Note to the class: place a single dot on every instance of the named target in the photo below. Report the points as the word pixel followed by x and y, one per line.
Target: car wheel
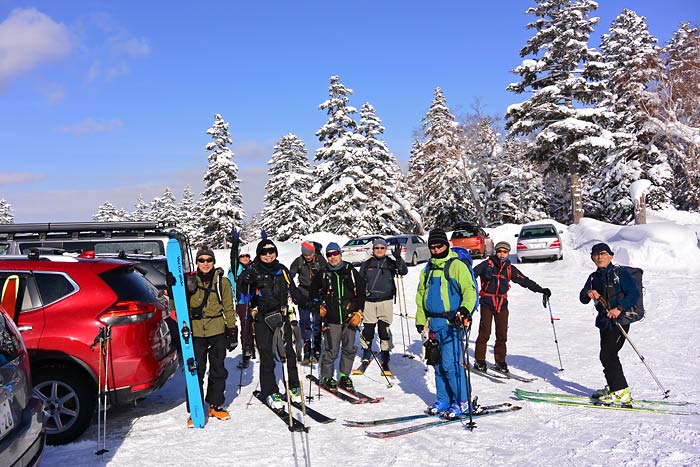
pixel 68 403
pixel 414 259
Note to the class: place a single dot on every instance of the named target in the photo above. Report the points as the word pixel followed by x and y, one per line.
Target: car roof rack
pixel 78 230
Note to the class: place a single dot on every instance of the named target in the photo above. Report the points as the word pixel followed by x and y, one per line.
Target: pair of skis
pixel 495 374
pixel 571 400
pixel 353 397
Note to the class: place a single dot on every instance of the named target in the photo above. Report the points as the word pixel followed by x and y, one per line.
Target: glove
pixel 263 235
pixel 191 283
pixel 355 319
pixel 231 338
pixel 322 310
pixel 235 236
pixel 546 293
pixel 396 251
pixel 419 328
pixel 462 317
pixel 170 279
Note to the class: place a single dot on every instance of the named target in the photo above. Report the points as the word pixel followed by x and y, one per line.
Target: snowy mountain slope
pixel 154 432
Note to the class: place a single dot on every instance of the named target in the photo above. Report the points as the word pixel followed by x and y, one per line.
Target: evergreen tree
pixel 6 216
pixel 221 202
pixel 141 210
pixel 288 212
pixel 447 198
pixel 561 76
pixel 107 212
pixel 338 200
pixel 188 214
pixel 415 195
pixel 164 208
pixel 633 67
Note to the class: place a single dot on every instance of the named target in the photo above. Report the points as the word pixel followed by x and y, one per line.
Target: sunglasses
pixel 331 254
pixel 502 250
pixel 379 248
pixel 436 247
pixel 268 251
pixel 244 256
pixel 205 260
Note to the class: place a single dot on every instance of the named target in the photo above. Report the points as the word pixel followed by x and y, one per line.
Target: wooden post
pixel 640 209
pixel 576 198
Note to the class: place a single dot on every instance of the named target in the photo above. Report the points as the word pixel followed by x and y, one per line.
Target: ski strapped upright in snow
pixel 575 397
pixel 440 422
pixel 295 424
pixel 408 418
pixel 599 405
pixel 194 394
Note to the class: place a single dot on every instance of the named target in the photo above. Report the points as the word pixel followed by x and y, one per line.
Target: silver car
pixel 358 250
pixel 539 241
pixel 413 248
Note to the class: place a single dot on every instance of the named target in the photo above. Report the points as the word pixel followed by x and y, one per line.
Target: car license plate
pixel 6 421
pixel 539 245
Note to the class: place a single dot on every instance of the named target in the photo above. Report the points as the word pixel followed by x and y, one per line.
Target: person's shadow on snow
pixel 545 371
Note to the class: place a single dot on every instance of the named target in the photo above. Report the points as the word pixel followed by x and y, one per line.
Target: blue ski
pixel 194 395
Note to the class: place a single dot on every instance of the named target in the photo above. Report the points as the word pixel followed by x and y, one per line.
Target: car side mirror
pixel 515 235
pixel 561 231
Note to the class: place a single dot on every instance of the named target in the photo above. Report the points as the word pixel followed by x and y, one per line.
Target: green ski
pixel 553 395
pixel 629 408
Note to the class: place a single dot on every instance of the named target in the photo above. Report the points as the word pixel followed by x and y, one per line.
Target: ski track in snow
pixel 154 433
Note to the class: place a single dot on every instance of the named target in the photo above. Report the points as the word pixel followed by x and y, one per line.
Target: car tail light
pixel 479 240
pixel 521 246
pixel 404 249
pixel 127 312
pixel 555 244
pixel 89 254
pixel 140 387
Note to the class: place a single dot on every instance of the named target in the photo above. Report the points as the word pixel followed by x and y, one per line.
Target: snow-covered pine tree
pixel 414 185
pixel 107 212
pixel 221 201
pixel 447 197
pixel 338 199
pixel 187 222
pixel 288 213
pixel 141 210
pixel 164 208
pixel 679 120
pixel 6 216
pixel 558 79
pixel 632 68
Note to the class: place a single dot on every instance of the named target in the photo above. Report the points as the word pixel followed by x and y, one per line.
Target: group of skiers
pixel 335 299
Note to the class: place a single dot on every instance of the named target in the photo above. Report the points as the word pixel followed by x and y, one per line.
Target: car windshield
pixel 397 240
pixel 464 233
pixel 540 232
pixel 358 242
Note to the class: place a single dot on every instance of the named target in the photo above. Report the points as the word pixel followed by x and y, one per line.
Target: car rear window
pixel 464 233
pixel 130 285
pixel 141 248
pixel 358 242
pixel 538 233
pixel 396 241
pixel 53 286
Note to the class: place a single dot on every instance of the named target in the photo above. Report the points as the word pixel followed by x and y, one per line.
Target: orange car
pixel 472 238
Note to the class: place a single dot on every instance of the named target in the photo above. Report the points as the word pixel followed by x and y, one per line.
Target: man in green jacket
pixel 446 305
pixel 214 329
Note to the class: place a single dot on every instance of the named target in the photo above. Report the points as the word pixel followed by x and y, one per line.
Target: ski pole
pixel 467 372
pixel 405 315
pixel 551 320
pixel 663 390
pixel 244 336
pixel 398 295
pixel 374 355
pixel 100 366
pixel 285 372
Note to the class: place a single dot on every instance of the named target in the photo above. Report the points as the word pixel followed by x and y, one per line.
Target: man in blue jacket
pixel 614 292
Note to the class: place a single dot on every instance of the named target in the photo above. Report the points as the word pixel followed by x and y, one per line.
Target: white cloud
pixel 132 46
pixel 92 126
pixel 28 38
pixel 7 178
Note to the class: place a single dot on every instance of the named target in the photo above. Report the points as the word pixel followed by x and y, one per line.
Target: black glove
pixel 546 293
pixel 170 279
pixel 231 338
pixel 419 328
pixel 235 236
pixel 460 317
pixel 247 277
pixel 396 251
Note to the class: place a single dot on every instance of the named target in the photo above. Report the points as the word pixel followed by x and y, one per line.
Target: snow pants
pixel 338 337
pixel 611 341
pixel 381 315
pixel 450 378
pixel 212 349
pixel 310 323
pixel 263 340
pixel 246 328
pixel 499 348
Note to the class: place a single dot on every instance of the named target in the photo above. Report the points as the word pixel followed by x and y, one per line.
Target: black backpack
pixel 635 313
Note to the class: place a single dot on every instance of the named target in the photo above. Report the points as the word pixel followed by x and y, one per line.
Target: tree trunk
pixel 576 198
pixel 640 210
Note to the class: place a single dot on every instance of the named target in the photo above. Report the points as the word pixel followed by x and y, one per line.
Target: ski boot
pixel 366 356
pixel 219 412
pixel 274 401
pixel 438 407
pixel 623 396
pixel 480 365
pixel 346 383
pixel 317 351
pixel 501 367
pixel 385 363
pixel 330 384
pixel 306 361
pixel 601 392
pixel 457 410
pixel 295 395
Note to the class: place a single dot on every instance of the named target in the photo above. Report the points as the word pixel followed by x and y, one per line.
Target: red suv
pixel 472 238
pixel 63 304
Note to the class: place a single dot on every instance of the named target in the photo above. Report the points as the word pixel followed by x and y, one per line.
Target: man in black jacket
pixel 496 273
pixel 306 266
pixel 378 274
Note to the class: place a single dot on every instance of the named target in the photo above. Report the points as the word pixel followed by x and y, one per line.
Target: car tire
pixel 73 412
pixel 414 259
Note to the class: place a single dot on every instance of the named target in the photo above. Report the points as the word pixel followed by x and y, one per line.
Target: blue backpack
pixel 464 256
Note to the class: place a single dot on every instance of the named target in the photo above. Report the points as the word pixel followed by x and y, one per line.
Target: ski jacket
pixel 617 287
pixel 436 296
pixel 496 275
pixel 270 286
pixel 244 294
pixel 341 291
pixel 216 302
pixel 306 270
pixel 378 275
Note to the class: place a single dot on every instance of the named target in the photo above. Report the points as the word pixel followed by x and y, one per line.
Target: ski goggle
pixel 268 251
pixel 333 253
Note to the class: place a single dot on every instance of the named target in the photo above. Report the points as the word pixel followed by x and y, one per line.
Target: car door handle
pixel 24 328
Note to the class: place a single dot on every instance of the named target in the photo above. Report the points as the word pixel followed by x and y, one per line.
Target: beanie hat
pixel 332 246
pixel 265 244
pixel 504 245
pixel 205 251
pixel 438 236
pixel 307 248
pixel 379 241
pixel 598 247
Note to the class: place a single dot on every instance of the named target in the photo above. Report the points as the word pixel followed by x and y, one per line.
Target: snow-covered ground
pixel 154 432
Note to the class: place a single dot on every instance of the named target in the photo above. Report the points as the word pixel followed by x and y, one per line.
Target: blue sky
pixel 105 100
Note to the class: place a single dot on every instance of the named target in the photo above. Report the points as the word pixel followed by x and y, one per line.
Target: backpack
pixel 636 313
pixel 463 256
